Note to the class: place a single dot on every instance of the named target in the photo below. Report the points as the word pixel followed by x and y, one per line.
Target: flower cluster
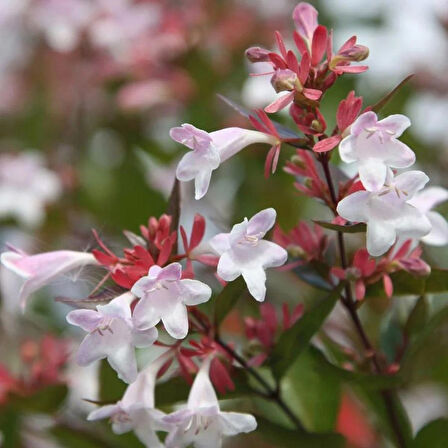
pixel 161 292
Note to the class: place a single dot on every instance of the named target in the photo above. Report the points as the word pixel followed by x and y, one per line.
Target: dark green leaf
pixel 383 101
pixel 111 387
pixel 313 393
pixel 314 273
pixel 417 317
pixel 391 336
pixel 364 380
pixel 282 437
pixel 173 391
pixel 227 298
pixel 406 284
pixel 296 339
pixel 46 400
pixel 350 228
pixel 433 435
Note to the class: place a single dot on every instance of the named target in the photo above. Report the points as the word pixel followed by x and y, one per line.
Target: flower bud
pixel 415 266
pixel 257 54
pixel 356 53
pixel 298 161
pixel 296 251
pixel 283 80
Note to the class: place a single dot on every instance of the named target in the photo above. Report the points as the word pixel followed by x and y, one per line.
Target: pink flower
pixel 39 270
pixel 136 411
pixel 112 335
pixel 387 212
pixel 202 423
pixel 244 252
pixel 164 297
pixel 374 145
pixel 209 150
pixel 425 201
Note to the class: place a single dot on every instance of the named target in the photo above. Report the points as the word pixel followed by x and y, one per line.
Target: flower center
pixel 104 325
pixel 120 417
pixel 380 132
pixel 251 239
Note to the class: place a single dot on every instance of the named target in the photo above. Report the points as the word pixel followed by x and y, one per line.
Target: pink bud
pixel 356 53
pixel 305 18
pixel 283 80
pixel 257 54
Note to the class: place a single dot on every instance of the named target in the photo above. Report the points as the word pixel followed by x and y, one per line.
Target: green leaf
pixel 406 284
pixel 417 317
pixel 314 273
pixel 364 380
pixel 111 387
pixel 383 101
pixel 434 435
pixel 227 298
pixel 282 437
pixel 349 228
pixel 46 400
pixel 173 391
pixel 293 341
pixel 314 394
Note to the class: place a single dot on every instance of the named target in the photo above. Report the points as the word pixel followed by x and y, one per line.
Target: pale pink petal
pixel 171 272
pixel 201 183
pixel 176 321
pixel 260 223
pixel 438 236
pixel 395 123
pixel 429 198
pixel 233 423
pixel 399 155
pixel 365 120
pixel 202 394
pixel 194 292
pixel 88 320
pixel 255 279
pixel 191 136
pixel 347 149
pixel 104 412
pixel 380 237
pixel 220 243
pixel 410 182
pixel 352 207
pixel 227 269
pixel 144 338
pixel 412 223
pixel 372 173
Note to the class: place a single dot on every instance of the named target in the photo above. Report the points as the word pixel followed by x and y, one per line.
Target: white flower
pixel 374 145
pixel 244 252
pixel 112 335
pixel 136 411
pixel 387 213
pixel 209 150
pixel 202 423
pixel 40 269
pixel 425 201
pixel 164 297
pixel 26 186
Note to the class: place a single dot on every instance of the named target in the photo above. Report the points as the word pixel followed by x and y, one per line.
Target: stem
pixel 350 305
pixel 273 394
pixel 270 393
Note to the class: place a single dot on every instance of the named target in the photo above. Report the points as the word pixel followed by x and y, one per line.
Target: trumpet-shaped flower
pixel 202 423
pixel 136 411
pixel 164 297
pixel 40 269
pixel 209 150
pixel 244 252
pixel 425 201
pixel 388 213
pixel 112 335
pixel 374 145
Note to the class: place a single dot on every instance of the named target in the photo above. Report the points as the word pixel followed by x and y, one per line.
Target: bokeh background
pixel 88 92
